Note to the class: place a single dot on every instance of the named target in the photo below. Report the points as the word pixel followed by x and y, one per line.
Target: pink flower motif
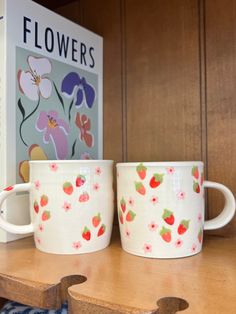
pixel 147 248
pixel 194 247
pixel 53 167
pixel 41 227
pixel 77 245
pixel 66 206
pixel 96 186
pixel 178 243
pixel 127 233
pixel 37 185
pixel 131 202
pixel 181 195
pixel 199 217
pixel 154 199
pixel 98 171
pixel 152 226
pixel 170 170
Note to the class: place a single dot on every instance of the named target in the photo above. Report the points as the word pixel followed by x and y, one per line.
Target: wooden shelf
pixel 118 282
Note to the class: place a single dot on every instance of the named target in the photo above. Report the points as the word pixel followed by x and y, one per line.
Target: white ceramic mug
pixel 71 205
pixel 161 208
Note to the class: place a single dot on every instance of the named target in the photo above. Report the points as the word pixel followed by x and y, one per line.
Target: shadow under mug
pixel 161 208
pixel 71 205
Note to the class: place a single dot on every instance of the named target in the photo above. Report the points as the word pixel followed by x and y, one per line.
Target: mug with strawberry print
pixel 161 208
pixel 71 205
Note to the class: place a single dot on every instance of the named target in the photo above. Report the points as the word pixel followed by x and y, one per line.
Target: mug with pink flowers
pixel 71 205
pixel 161 208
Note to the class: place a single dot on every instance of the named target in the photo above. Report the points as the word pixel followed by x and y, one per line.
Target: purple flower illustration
pixel 56 130
pixel 76 87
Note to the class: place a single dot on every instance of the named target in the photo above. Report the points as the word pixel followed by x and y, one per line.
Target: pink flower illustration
pixel 55 130
pixel 194 247
pixel 77 245
pixel 96 186
pixel 199 217
pixel 154 199
pixel 37 185
pixel 53 167
pixel 98 171
pixel 84 124
pixel 152 226
pixel 66 206
pixel 181 195
pixel 178 243
pixel 131 202
pixel 127 233
pixel 170 170
pixel 41 227
pixel 33 83
pixel 147 248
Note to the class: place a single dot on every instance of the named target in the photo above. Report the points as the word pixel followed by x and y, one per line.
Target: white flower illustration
pixel 33 83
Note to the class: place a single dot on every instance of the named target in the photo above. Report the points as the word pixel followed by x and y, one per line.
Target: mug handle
pixel 228 211
pixel 24 229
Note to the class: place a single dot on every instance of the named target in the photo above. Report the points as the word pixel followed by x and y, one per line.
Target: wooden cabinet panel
pixel 163 80
pixel 103 17
pixel 221 99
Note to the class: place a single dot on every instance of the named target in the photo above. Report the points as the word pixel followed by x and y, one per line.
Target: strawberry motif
pixel 183 226
pixel 123 204
pixel 86 234
pixel 196 187
pixel 130 216
pixel 101 230
pixel 96 220
pixel 168 217
pixel 121 218
pixel 195 172
pixel 141 171
pixel 156 180
pixel 140 188
pixel 68 188
pixel 84 197
pixel 165 234
pixel 46 215
pixel 9 188
pixel 36 207
pixel 80 180
pixel 43 200
pixel 200 235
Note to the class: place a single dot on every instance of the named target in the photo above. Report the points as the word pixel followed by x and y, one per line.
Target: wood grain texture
pixel 221 98
pixel 103 17
pixel 118 282
pixel 163 87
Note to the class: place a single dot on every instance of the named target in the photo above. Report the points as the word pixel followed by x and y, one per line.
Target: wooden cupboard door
pixel 163 80
pixel 221 100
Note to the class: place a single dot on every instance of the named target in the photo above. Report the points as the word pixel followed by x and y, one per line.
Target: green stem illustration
pixel 25 118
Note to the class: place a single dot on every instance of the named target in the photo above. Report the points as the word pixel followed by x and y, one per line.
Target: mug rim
pixel 160 163
pixel 70 161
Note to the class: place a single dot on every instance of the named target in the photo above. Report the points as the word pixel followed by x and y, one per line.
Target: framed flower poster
pixel 51 94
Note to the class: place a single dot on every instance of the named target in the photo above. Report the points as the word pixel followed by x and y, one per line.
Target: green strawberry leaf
pixel 122 202
pixel 140 167
pixel 158 177
pixel 167 213
pixel 138 185
pixel 164 230
pixel 185 223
